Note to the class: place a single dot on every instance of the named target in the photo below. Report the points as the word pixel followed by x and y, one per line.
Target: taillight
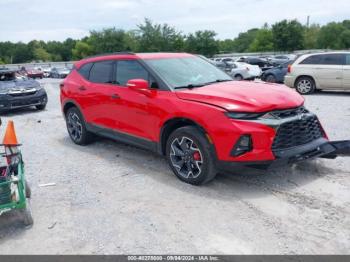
pixel 289 70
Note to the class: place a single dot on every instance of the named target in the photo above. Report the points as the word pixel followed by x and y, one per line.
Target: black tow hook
pixel 341 148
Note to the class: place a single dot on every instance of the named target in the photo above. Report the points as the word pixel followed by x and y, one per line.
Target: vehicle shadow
pixel 242 183
pixel 11 225
pixel 20 111
pixel 332 93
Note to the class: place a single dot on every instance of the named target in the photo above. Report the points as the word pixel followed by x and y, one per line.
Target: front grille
pixel 297 132
pixel 290 112
pixel 23 93
pixel 25 102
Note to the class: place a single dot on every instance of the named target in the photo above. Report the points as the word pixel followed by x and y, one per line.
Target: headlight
pixel 249 116
pixel 244 116
pixel 38 87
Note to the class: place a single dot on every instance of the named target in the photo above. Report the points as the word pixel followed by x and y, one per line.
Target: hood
pixel 17 84
pixel 244 96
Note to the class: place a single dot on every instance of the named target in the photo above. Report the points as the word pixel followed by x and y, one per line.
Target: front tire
pixel 190 156
pixel 305 85
pixel 41 107
pixel 77 128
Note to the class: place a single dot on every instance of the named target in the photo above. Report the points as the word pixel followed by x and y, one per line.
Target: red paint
pixel 142 113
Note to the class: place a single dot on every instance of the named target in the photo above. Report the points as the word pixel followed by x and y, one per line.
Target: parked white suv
pixel 329 70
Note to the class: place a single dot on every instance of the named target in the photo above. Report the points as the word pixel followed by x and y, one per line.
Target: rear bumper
pixel 289 80
pixel 317 148
pixel 8 102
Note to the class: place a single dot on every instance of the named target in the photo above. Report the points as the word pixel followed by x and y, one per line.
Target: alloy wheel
pixel 74 126
pixel 304 86
pixel 186 157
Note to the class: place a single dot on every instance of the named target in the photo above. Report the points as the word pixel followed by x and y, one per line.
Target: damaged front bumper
pixel 318 148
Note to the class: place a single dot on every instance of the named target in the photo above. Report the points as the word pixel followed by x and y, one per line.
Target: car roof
pixel 327 53
pixel 127 55
pixel 6 71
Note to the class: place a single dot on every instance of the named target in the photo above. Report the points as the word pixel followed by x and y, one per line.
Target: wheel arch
pixel 69 104
pixel 309 76
pixel 170 126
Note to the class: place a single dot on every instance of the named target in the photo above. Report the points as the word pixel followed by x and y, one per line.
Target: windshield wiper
pixel 190 86
pixel 218 81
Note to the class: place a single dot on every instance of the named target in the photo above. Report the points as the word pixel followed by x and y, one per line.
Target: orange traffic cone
pixel 10 138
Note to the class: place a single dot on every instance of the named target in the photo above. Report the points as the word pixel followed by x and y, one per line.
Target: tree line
pixel 285 35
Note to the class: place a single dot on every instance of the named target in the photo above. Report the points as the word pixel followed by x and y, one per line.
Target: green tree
pixel 226 46
pixel 41 54
pixel 244 40
pixel 288 35
pixel 107 41
pixel 310 36
pixel 329 36
pixel 158 37
pixel 202 42
pixel 81 50
pixel 263 41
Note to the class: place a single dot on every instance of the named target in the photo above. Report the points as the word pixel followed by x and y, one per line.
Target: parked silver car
pixel 245 71
pixel 329 70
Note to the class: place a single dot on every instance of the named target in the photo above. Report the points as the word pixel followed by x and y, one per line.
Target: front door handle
pixel 82 88
pixel 115 96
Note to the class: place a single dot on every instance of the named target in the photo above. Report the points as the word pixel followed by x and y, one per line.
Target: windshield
pixel 7 76
pixel 184 72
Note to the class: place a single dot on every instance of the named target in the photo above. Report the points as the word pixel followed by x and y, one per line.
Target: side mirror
pixel 139 85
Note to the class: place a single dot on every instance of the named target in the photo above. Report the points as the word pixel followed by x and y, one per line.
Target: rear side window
pixel 101 72
pixel 85 70
pixel 327 59
pixel 130 69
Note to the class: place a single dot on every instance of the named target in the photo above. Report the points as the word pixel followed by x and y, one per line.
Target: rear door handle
pixel 115 96
pixel 82 88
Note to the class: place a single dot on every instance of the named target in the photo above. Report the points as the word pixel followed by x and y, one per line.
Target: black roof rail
pixel 107 54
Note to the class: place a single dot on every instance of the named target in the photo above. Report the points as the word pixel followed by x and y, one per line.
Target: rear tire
pixel 77 128
pixel 238 77
pixel 28 189
pixel 190 156
pixel 270 78
pixel 27 214
pixel 305 85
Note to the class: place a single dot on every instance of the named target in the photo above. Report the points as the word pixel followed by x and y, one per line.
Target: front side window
pixel 187 71
pixel 312 60
pixel 101 72
pixel 130 69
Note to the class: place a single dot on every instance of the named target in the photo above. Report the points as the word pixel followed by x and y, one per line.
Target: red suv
pixel 185 108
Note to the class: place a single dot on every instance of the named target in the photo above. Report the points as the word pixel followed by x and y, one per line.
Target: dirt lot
pixel 111 198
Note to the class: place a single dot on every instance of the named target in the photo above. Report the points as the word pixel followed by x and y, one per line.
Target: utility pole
pixel 308 21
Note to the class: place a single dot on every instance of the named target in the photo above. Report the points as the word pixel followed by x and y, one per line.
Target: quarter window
pixel 85 70
pixel 347 59
pixel 101 72
pixel 130 69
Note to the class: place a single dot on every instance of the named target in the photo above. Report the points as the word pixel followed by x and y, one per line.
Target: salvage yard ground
pixel 110 198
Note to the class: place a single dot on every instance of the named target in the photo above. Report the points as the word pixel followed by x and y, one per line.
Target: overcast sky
pixel 56 20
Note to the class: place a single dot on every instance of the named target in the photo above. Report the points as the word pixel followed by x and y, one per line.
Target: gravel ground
pixel 111 198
